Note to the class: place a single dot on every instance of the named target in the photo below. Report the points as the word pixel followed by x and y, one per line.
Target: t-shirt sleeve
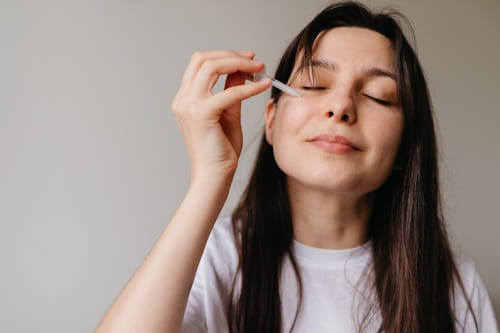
pixel 480 301
pixel 207 305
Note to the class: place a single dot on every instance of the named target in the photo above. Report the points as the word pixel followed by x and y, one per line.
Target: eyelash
pixel 313 88
pixel 377 100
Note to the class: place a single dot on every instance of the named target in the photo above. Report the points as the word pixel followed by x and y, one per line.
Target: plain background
pixel 93 165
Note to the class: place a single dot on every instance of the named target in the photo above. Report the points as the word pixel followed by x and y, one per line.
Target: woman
pixel 340 227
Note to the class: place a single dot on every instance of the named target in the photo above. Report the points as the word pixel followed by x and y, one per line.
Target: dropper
pixel 256 77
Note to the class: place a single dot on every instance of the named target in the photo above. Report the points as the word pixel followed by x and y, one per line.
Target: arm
pixel 155 298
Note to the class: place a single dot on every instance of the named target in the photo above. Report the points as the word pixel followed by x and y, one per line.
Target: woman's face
pixel 343 133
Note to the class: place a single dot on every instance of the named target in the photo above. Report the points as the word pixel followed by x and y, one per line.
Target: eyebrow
pixel 372 71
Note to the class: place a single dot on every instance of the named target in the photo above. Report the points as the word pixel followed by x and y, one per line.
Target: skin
pixel 331 192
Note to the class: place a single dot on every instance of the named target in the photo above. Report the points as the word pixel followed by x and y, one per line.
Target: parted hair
pixel 414 271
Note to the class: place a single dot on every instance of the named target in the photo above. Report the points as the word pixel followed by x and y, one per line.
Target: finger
pixel 211 69
pixel 231 118
pixel 246 53
pixel 224 100
pixel 199 57
pixel 234 79
pixel 232 114
pixel 231 125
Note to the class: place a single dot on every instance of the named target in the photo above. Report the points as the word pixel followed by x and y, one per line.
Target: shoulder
pixel 222 236
pixel 474 290
pixel 220 257
pixel 222 231
pixel 468 273
pixel 470 277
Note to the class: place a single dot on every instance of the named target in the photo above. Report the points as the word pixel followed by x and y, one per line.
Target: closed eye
pixel 378 100
pixel 313 88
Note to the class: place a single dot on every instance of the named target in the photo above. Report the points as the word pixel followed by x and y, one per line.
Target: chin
pixel 326 184
pixel 327 181
pixel 333 176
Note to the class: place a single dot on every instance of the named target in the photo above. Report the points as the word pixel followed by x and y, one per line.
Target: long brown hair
pixel 413 265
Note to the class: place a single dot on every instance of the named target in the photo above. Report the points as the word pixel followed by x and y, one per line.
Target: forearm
pixel 154 299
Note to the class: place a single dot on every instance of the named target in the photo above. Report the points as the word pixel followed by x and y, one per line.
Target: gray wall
pixel 93 165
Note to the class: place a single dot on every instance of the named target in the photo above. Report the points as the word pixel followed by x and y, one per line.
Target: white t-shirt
pixel 333 295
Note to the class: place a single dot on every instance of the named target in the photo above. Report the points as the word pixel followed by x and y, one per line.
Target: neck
pixel 327 219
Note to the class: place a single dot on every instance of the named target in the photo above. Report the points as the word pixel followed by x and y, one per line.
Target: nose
pixel 340 107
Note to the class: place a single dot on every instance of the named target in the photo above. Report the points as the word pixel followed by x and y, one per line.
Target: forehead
pixel 353 46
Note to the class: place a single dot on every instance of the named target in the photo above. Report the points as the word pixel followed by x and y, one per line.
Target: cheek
pixel 288 133
pixel 284 140
pixel 291 116
pixel 385 132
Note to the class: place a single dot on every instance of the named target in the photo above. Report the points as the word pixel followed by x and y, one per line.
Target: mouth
pixel 334 144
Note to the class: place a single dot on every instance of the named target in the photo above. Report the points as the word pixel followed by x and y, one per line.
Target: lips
pixel 334 143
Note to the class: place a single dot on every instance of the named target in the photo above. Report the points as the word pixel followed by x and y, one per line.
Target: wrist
pixel 213 175
pixel 208 194
pixel 211 183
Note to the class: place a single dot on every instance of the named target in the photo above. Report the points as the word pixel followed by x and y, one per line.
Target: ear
pixel 269 115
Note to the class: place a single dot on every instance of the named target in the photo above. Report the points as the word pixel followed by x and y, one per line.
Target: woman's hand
pixel 211 123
